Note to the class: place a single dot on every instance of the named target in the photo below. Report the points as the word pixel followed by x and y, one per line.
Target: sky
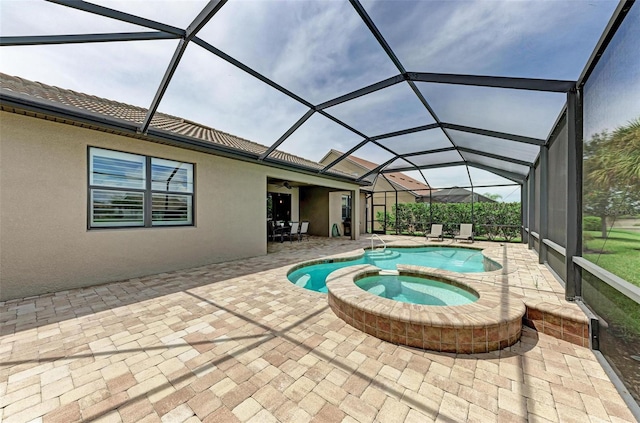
pixel 320 50
pixel 612 93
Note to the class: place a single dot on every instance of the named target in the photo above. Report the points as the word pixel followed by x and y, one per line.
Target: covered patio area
pixel 237 341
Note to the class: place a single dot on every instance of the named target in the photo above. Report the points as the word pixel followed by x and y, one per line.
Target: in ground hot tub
pixel 492 322
pixel 417 290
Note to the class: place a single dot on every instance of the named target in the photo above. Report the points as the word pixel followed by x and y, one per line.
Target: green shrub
pixel 491 220
pixel 591 223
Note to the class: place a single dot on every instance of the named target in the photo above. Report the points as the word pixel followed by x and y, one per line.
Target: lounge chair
pixel 466 232
pixel 436 232
pixel 302 232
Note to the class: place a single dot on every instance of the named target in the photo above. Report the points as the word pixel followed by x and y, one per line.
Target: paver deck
pixel 237 342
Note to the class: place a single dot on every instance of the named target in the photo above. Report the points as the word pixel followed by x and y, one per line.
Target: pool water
pixel 415 290
pixel 461 260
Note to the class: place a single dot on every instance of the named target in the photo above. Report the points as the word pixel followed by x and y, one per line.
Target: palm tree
pixel 625 143
pixel 612 172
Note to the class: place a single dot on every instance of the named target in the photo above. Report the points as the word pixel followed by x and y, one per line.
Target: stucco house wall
pixel 314 207
pixel 45 245
pixel 335 211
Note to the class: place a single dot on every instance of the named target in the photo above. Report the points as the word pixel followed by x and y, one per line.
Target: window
pixel 346 207
pixel 129 190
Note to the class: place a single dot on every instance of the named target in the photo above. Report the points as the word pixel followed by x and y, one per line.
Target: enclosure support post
pixel 532 204
pixel 543 208
pixel 396 214
pixel 355 214
pixel 372 213
pixel 524 211
pixel 430 209
pixel 386 215
pixel 573 248
pixel 472 216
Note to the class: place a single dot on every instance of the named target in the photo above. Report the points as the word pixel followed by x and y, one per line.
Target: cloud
pixel 612 92
pixel 443 177
pixel 27 17
pixel 320 50
pixel 388 110
pixel 418 141
pixel 513 38
pixel 210 91
pixel 529 113
pixel 317 136
pixel 176 13
pixel 317 49
pixel 129 72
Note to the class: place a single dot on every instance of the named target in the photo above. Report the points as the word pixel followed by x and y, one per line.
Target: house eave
pixel 45 109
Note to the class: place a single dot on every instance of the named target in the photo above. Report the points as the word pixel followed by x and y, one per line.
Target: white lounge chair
pixel 466 232
pixel 436 232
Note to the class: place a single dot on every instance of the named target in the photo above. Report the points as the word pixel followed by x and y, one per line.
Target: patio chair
pixel 271 231
pixel 466 232
pixel 291 231
pixel 302 232
pixel 436 232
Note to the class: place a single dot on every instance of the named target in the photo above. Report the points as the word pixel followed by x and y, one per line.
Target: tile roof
pixel 408 182
pixel 136 115
pixel 399 178
pixel 459 195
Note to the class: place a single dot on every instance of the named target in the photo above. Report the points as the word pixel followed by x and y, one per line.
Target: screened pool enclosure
pixel 534 103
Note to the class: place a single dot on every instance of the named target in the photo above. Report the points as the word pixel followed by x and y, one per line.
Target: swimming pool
pixel 416 290
pixel 462 260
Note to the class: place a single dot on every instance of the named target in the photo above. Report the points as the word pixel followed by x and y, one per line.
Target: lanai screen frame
pixel 572 252
pixel 572 113
pixel 190 34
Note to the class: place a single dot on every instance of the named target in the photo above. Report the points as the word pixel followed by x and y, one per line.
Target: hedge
pixel 490 219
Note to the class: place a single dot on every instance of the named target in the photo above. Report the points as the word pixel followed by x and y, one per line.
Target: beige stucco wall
pixel 362 211
pixel 314 207
pixel 44 242
pixel 335 211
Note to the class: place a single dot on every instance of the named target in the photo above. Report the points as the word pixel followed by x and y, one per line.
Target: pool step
pixel 389 272
pixel 383 255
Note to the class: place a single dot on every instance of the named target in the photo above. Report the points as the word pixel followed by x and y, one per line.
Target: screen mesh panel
pixel 611 205
pixel 384 111
pixel 619 329
pixel 496 163
pixel 502 147
pixel 431 139
pixel 316 137
pixel 557 188
pixel 432 158
pixel 557 262
pixel 536 218
pixel 308 47
pixel 223 102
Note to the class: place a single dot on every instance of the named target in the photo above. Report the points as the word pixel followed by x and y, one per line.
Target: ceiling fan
pixel 282 184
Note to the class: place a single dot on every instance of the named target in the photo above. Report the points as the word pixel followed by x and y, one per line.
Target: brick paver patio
pixel 237 342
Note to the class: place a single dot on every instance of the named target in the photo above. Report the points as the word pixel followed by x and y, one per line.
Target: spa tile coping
pixel 493 307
